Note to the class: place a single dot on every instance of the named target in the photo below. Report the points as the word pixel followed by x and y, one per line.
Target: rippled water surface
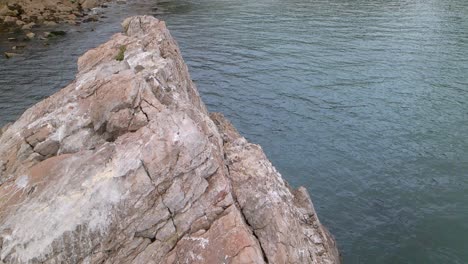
pixel 364 102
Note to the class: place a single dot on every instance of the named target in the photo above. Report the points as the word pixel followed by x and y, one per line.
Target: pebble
pixel 30 35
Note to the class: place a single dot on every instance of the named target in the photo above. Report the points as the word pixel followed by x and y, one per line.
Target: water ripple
pixel 363 102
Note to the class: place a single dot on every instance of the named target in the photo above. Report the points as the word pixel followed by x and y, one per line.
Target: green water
pixel 364 102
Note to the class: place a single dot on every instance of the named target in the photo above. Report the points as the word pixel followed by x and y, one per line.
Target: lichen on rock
pixel 126 165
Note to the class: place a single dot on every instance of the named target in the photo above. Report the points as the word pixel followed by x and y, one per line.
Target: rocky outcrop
pixel 126 165
pixel 27 13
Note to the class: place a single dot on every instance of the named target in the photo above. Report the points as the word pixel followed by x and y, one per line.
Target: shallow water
pixel 364 102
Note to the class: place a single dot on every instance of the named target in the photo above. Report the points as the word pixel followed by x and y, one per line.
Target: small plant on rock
pixel 120 56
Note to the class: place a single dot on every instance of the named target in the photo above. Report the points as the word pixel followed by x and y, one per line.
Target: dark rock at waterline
pixel 53 34
pixel 57 33
pixel 91 18
pixel 9 55
pixel 18 47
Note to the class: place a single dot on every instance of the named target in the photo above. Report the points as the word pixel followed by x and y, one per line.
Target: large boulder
pixel 126 165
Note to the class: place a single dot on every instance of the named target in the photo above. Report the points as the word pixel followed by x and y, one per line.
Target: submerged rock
pixel 30 35
pixel 126 165
pixel 9 55
pixel 56 33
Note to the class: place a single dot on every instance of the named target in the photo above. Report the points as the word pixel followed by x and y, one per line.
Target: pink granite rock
pixel 126 165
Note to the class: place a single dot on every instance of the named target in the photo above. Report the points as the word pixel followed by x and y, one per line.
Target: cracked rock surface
pixel 126 165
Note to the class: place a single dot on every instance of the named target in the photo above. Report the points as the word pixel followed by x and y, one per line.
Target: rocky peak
pixel 126 165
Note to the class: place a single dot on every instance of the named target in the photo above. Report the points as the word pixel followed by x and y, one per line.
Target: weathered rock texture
pixel 125 165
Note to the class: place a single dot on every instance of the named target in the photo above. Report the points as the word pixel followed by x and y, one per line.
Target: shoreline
pixel 22 22
pixel 22 13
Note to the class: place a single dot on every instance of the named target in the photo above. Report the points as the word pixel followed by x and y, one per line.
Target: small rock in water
pixel 58 33
pixel 30 35
pixel 91 18
pixel 52 34
pixel 10 54
pixel 17 47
